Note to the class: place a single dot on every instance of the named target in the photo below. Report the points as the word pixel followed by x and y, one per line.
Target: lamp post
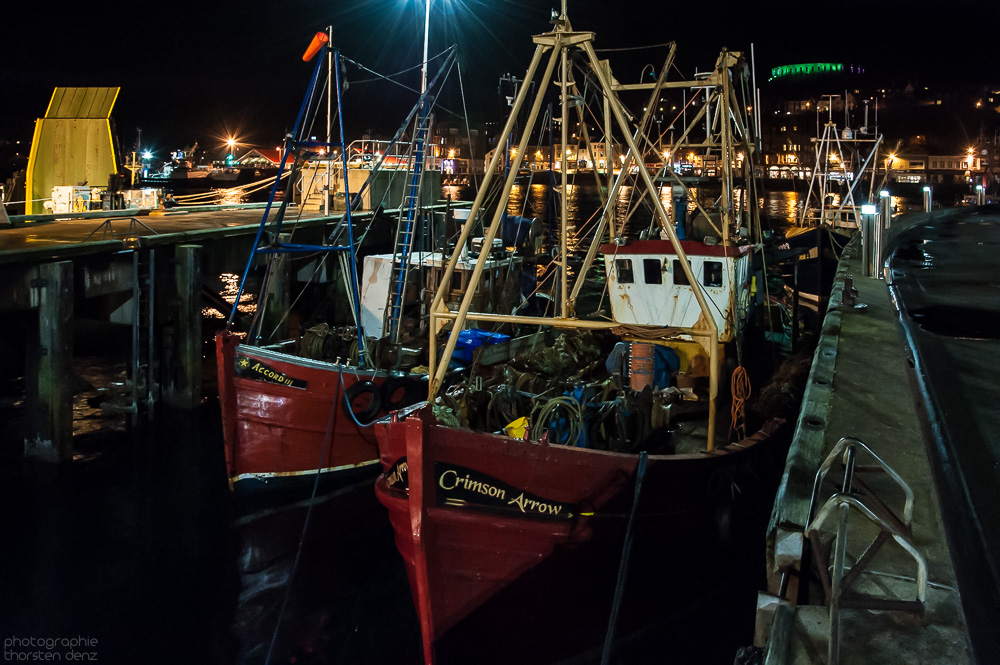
pixel 423 68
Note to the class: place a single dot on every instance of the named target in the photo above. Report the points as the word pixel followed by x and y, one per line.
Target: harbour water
pixel 946 277
pixel 139 548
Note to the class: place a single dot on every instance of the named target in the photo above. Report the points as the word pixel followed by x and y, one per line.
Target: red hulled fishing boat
pixel 542 491
pixel 301 407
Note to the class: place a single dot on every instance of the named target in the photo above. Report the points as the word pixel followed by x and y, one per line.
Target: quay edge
pixel 862 384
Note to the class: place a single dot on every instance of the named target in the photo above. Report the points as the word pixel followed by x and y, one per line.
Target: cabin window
pixel 652 271
pixel 680 278
pixel 624 269
pixel 713 273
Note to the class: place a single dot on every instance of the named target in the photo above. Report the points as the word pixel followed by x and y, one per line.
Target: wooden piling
pixel 279 296
pixel 49 435
pixel 183 385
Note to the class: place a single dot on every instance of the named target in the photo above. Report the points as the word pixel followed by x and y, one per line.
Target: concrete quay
pixel 866 384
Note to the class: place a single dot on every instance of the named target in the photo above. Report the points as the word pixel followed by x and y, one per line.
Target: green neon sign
pixel 808 69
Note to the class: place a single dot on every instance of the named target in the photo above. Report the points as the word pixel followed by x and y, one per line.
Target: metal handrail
pixel 847 445
pixel 841 499
pixel 842 502
pixel 107 228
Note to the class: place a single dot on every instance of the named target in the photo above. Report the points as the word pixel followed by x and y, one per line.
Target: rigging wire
pixel 382 77
pixel 468 132
pixel 633 48
pixel 389 77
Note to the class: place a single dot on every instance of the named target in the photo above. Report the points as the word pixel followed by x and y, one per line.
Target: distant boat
pixel 844 165
pixel 185 173
pixel 228 174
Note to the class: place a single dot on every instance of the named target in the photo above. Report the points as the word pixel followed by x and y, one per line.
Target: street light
pixel 423 69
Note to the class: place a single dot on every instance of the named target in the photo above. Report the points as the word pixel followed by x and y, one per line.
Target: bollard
pixel 980 195
pixel 927 199
pixel 878 228
pixel 885 208
pixel 868 248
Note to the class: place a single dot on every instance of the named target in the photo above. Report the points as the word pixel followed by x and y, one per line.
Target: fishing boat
pixel 521 497
pixel 844 163
pixel 300 407
pixel 842 183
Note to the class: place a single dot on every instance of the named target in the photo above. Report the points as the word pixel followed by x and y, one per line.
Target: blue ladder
pixel 405 230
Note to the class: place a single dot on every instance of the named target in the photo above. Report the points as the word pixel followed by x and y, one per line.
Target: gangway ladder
pixel 406 227
pixel 141 367
pixel 856 495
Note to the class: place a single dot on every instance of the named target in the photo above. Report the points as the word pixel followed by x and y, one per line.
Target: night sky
pixel 203 70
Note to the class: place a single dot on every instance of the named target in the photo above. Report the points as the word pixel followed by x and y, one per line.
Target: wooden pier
pixel 144 269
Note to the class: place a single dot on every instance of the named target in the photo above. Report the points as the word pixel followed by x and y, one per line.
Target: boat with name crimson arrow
pixel 548 497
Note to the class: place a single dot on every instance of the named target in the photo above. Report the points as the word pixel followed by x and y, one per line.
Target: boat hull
pixel 530 535
pixel 285 419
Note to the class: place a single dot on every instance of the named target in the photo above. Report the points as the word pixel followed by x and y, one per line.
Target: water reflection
pixel 532 200
pixel 785 206
pixel 101 395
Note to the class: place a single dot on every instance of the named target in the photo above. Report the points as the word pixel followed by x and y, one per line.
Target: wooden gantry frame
pixel 558 44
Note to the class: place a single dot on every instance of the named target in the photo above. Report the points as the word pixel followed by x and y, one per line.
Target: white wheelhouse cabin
pixel 647 286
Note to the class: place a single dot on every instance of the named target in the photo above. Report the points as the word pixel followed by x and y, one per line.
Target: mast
pixel 329 120
pixel 427 24
pixel 727 148
pixel 563 213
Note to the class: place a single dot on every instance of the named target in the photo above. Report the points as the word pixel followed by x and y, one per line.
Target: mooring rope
pixel 640 473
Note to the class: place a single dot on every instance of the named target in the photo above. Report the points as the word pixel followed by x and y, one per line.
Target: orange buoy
pixel 315 45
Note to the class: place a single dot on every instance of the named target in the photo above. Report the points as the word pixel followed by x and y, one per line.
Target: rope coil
pixel 740 386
